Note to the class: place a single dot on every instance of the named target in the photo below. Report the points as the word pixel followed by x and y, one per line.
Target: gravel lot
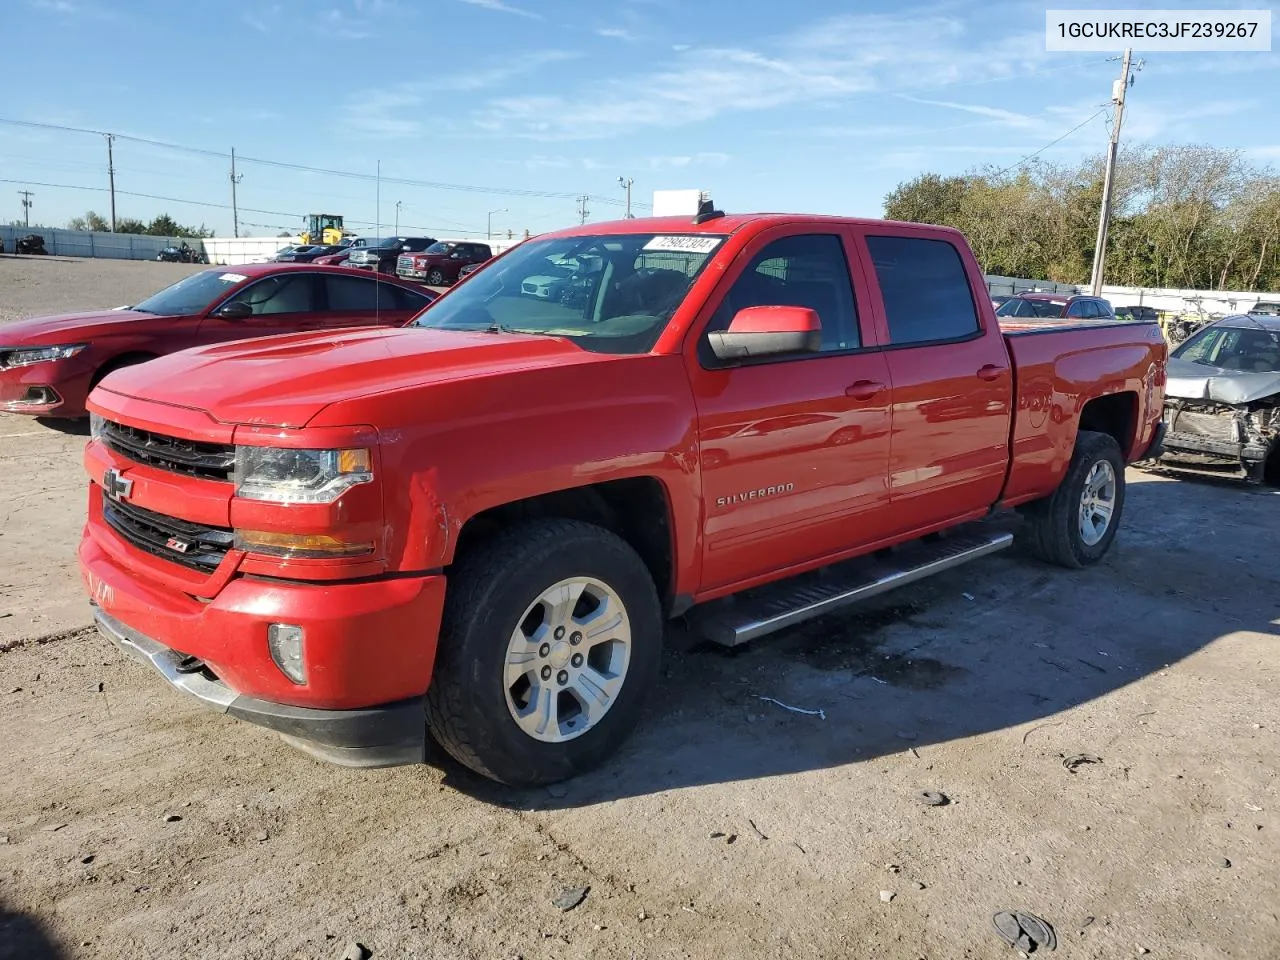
pixel 133 823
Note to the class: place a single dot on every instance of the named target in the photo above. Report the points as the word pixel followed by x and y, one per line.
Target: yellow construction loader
pixel 323 228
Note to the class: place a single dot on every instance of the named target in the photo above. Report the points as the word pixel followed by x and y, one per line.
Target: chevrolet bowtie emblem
pixel 116 486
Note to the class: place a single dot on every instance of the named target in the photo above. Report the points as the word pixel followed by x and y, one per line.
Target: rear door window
pixel 926 293
pixel 284 293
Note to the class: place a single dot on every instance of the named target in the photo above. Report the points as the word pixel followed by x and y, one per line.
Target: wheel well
pixel 1271 466
pixel 636 509
pixel 1115 415
pixel 115 363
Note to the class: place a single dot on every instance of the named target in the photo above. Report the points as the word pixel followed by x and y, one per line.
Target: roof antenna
pixel 707 211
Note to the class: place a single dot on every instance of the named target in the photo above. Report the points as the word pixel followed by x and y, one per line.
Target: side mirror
pixel 768 331
pixel 235 310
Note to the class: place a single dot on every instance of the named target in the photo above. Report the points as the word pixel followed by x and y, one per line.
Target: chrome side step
pixel 764 610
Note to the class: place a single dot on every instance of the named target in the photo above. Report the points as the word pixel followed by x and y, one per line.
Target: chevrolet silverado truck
pixel 473 528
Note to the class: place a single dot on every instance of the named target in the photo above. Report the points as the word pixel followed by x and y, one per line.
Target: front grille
pixel 212 461
pixel 190 544
pixel 404 263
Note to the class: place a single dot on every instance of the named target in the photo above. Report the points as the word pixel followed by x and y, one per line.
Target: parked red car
pixel 48 365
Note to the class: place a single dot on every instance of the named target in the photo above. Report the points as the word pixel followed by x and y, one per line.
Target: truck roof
pixel 731 223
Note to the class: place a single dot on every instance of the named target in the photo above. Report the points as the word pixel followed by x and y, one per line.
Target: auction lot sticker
pixel 684 244
pixel 1186 31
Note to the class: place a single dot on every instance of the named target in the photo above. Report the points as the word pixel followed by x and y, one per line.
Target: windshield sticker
pixel 233 277
pixel 684 244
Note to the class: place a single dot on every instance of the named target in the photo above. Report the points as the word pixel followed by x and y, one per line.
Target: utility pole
pixel 626 185
pixel 398 203
pixel 583 212
pixel 235 210
pixel 1118 90
pixel 111 179
pixel 26 206
pixel 489 227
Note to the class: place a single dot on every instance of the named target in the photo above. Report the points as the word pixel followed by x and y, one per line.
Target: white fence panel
pixel 86 243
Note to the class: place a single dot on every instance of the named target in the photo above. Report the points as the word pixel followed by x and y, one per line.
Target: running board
pixel 764 610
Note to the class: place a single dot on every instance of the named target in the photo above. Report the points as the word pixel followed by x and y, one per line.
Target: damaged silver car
pixel 1222 398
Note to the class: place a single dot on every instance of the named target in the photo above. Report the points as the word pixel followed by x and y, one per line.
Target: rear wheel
pixel 1074 527
pixel 551 639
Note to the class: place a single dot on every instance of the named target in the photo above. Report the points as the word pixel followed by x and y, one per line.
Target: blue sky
pixel 811 105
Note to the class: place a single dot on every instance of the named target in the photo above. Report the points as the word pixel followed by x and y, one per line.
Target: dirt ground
pixel 134 823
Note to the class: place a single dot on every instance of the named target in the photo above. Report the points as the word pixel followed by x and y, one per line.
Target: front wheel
pixel 1074 527
pixel 435 278
pixel 552 637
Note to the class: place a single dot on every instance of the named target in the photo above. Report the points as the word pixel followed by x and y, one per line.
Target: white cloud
pixel 1007 117
pixel 338 26
pixel 617 33
pixel 56 6
pixel 837 60
pixel 478 78
pixel 501 7
pixel 393 113
pixel 680 162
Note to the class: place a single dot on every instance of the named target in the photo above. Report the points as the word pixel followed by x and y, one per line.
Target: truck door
pixel 951 374
pixel 793 452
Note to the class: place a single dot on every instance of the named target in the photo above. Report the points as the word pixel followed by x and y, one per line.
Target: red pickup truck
pixel 477 524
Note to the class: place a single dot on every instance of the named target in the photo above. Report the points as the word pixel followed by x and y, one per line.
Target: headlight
pixel 96 422
pixel 25 356
pixel 299 476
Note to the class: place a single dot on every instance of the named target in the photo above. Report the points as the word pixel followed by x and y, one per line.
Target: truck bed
pixel 1019 326
pixel 1056 371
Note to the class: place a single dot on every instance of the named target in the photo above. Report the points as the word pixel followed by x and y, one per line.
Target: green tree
pixel 1182 216
pixel 90 221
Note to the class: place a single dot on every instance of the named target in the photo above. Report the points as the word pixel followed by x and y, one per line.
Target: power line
pixel 218 206
pixel 304 168
pixel 1050 144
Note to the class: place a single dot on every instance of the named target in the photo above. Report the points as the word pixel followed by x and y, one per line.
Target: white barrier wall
pixel 87 243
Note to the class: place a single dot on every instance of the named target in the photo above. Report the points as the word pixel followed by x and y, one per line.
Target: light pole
pixel 489 226
pixel 626 185
pixel 398 202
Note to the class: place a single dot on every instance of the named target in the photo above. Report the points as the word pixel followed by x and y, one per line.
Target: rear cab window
pixel 925 289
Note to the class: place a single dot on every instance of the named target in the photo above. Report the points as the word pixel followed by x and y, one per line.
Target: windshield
pixel 191 294
pixel 612 293
pixel 1251 350
pixel 1020 307
pixel 440 248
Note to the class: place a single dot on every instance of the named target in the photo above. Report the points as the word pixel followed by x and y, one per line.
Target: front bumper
pixel 369 648
pixel 373 737
pixel 56 388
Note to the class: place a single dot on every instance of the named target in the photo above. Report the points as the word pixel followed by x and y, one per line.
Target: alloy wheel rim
pixel 567 659
pixel 1097 503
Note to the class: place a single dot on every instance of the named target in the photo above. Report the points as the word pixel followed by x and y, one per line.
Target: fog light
pixel 284 640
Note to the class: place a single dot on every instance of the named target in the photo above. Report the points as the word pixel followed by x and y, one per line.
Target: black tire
pixel 1053 524
pixel 113 365
pixel 435 278
pixel 489 592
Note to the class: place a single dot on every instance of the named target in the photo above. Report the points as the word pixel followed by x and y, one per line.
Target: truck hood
pixel 1196 381
pixel 67 327
pixel 284 381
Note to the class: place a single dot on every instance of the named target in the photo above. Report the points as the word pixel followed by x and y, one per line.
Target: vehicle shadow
pixel 74 428
pixel 1001 643
pixel 24 938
